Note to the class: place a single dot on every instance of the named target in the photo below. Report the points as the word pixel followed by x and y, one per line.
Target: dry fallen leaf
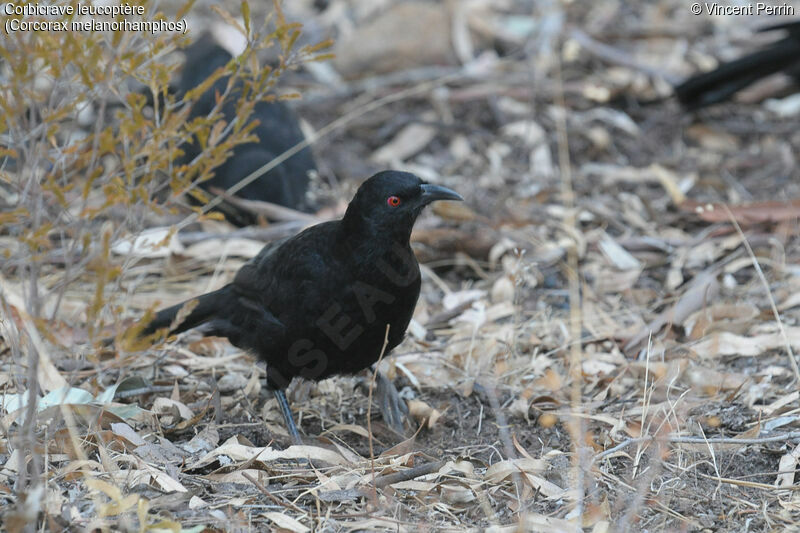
pixel 787 467
pixel 703 290
pixel 286 522
pixel 424 414
pixel 406 143
pixel 723 344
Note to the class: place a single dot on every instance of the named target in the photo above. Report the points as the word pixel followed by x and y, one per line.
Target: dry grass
pixel 606 336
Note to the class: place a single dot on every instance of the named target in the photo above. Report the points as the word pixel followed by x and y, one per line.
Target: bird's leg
pixel 392 406
pixel 283 404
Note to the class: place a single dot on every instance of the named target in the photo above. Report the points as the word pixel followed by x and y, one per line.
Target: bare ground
pixel 672 335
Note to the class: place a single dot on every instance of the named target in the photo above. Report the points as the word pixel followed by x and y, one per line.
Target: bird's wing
pixel 251 277
pixel 286 275
pixel 792 27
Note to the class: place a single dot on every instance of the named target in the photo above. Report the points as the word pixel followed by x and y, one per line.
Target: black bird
pixel 319 303
pixel 277 130
pixel 723 82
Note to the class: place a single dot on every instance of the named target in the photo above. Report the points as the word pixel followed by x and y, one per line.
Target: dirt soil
pixel 607 325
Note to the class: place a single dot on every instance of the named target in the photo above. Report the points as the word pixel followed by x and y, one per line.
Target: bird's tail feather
pixel 722 82
pixel 207 307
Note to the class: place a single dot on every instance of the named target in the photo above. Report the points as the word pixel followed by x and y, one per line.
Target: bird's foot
pixel 392 406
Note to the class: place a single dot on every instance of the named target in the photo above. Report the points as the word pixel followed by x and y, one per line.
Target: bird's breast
pixel 384 291
pixel 340 326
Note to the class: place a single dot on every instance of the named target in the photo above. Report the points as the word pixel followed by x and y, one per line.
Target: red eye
pixel 393 201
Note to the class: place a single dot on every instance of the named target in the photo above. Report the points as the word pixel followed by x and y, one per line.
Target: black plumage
pixel 318 304
pixel 728 78
pixel 278 130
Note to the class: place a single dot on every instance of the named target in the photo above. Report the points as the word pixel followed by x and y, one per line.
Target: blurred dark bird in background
pixel 319 303
pixel 278 130
pixel 727 79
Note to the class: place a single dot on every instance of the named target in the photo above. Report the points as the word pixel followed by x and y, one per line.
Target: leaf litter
pixel 684 380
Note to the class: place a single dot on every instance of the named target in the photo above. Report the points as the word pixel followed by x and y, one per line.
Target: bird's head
pixel 389 202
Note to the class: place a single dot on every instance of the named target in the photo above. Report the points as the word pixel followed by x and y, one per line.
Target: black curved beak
pixel 431 193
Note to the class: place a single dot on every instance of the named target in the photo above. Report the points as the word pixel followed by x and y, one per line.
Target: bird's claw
pixel 392 406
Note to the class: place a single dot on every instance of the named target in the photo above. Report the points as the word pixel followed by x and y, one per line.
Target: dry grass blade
pixel 763 279
pixel 607 328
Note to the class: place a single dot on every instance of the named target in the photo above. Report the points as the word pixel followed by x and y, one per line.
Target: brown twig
pixel 267 234
pixel 411 473
pixel 146 390
pixel 612 55
pixel 577 426
pixel 271 496
pixel 268 209
pixel 794 435
pixel 322 132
